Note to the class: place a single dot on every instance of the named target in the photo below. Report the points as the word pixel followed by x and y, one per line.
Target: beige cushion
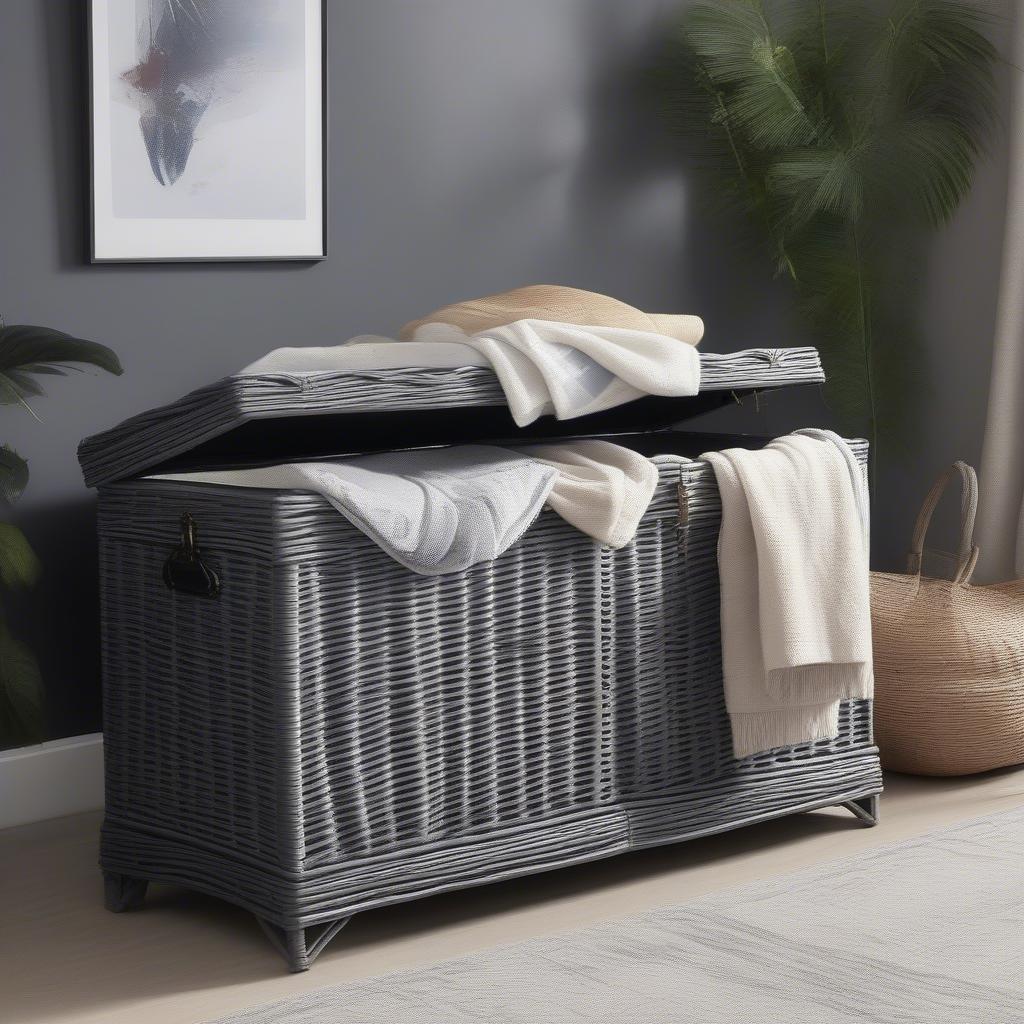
pixel 561 304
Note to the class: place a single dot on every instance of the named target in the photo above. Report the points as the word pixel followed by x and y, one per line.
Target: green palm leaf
pixel 13 475
pixel 816 182
pixel 19 566
pixel 27 351
pixel 843 129
pixel 22 718
pixel 754 75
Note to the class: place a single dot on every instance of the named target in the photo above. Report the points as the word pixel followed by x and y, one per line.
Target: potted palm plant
pixel 28 353
pixel 844 132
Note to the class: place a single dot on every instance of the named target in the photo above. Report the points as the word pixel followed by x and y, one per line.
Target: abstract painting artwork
pixel 207 126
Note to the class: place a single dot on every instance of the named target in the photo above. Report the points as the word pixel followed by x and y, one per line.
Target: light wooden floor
pixel 186 958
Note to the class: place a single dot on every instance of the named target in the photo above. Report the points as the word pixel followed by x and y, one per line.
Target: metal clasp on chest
pixel 185 571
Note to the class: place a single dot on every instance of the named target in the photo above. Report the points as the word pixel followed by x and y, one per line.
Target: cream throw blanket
pixel 556 302
pixel 601 488
pixel 793 567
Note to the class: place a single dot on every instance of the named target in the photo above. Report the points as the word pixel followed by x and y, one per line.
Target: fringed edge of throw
pixel 820 683
pixel 756 731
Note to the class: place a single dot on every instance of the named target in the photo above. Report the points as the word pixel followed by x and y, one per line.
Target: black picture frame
pixel 262 258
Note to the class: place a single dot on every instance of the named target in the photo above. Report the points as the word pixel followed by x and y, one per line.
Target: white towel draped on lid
pixel 544 367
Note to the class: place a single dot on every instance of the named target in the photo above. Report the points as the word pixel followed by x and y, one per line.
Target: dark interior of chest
pixel 651 426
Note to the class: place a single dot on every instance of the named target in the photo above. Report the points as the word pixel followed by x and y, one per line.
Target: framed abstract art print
pixel 208 129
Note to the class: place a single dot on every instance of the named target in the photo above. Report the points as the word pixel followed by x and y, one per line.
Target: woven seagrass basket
pixel 949 658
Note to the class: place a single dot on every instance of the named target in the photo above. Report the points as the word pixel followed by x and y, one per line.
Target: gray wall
pixel 959 310
pixel 475 145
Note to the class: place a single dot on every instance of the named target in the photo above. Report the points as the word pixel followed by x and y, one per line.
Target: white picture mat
pixel 204 237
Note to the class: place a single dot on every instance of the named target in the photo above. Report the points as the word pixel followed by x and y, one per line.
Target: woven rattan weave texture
pixel 160 434
pixel 949 657
pixel 334 733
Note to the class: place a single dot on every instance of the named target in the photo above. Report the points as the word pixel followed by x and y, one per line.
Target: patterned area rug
pixel 928 931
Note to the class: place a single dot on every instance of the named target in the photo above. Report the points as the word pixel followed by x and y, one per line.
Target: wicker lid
pixel 261 419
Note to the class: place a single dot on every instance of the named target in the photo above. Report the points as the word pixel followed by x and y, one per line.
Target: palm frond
pixel 754 74
pixel 816 182
pixel 13 475
pixel 22 717
pixel 27 351
pixel 19 566
pixel 932 57
pixel 843 128
pixel 942 42
pixel 922 168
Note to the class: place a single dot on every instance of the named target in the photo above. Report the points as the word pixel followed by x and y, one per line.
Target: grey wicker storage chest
pixel 331 733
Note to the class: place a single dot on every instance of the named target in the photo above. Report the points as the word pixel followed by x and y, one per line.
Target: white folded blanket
pixel 442 510
pixel 793 567
pixel 544 367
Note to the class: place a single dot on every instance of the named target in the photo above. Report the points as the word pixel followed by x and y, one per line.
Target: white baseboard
pixel 51 780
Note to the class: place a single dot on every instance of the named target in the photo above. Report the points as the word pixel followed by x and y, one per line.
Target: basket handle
pixel 967 556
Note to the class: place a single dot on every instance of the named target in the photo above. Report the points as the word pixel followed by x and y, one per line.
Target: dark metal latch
pixel 185 571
